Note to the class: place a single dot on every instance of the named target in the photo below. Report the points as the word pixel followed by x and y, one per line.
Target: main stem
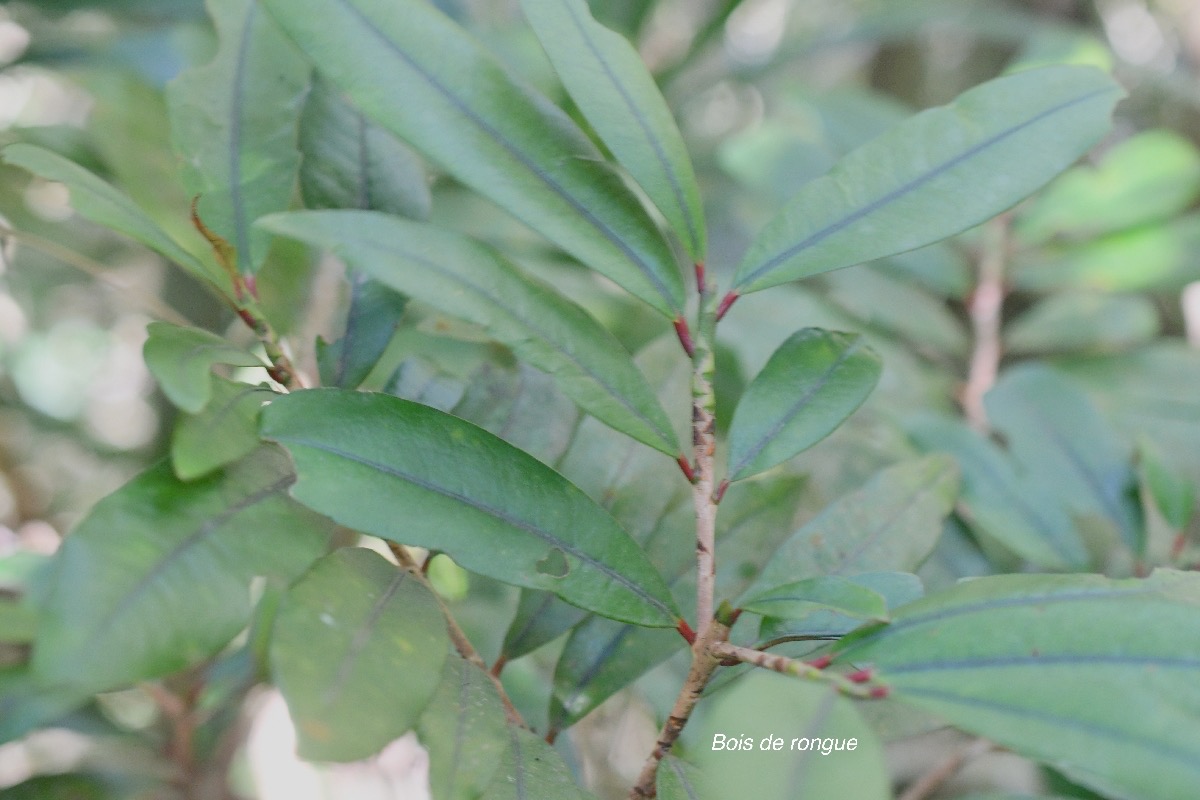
pixel 985 309
pixel 704 442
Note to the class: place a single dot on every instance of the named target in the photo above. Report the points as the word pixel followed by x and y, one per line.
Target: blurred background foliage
pixel 1099 302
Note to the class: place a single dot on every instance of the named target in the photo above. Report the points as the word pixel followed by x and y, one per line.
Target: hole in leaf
pixel 554 564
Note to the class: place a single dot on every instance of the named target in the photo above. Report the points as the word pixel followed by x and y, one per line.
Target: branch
pixel 704 663
pixel 855 684
pixel 984 309
pixel 704 407
pixel 461 643
pixel 932 780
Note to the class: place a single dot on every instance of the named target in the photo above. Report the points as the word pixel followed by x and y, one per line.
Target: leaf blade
pixel 443 483
pixel 610 84
pixel 922 181
pixel 181 358
pixel 488 130
pixel 467 281
pixel 832 373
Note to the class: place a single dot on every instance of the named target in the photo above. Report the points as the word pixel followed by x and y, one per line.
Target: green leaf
pixel 225 430
pixel 826 592
pixel 105 205
pixel 26 703
pixel 1147 177
pixel 157 577
pixel 1090 675
pixel 350 162
pixel 602 657
pixel 811 384
pixel 375 311
pixel 465 280
pixel 1083 321
pixel 418 476
pixel 610 84
pixel 1055 432
pixel 18 622
pixel 895 308
pixel 1020 512
pixel 234 123
pixel 936 174
pixel 679 780
pixel 463 729
pixel 893 588
pixel 812 718
pixel 459 107
pixel 357 650
pixel 891 523
pixel 1174 494
pixel 541 618
pixel 530 770
pixel 181 360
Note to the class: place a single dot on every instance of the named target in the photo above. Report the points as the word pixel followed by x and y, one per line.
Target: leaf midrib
pixel 899 192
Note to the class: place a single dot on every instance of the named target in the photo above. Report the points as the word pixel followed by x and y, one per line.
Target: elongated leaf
pixel 455 104
pixel 1096 677
pixel 234 121
pixel 531 770
pixel 891 523
pixel 223 432
pixel 1055 432
pixel 157 577
pixel 375 311
pixel 895 589
pixel 464 731
pixel 679 780
pixel 541 618
pixel 418 476
pixel 825 749
pixel 465 280
pixel 1083 321
pixel 26 704
pixel 936 174
pixel 350 162
pixel 349 633
pixel 105 205
pixel 814 381
pixel 181 360
pixel 1019 512
pixel 1147 177
pixel 826 592
pixel 610 84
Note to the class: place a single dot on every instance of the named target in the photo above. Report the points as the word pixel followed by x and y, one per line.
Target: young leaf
pixel 936 174
pixel 348 633
pixel 350 162
pixel 811 720
pixel 468 281
pixel 530 769
pixel 812 383
pixel 105 205
pixel 1070 672
pixel 458 106
pixel 418 476
pixel 234 123
pixel 157 577
pixel 463 728
pixel 610 84
pixel 891 523
pixel 375 311
pixel 825 592
pixel 181 360
pixel 225 430
pixel 1021 513
pixel 1055 432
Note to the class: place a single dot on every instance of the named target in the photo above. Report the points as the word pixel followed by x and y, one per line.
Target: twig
pixel 857 684
pixel 704 663
pixel 932 780
pixel 461 643
pixel 96 270
pixel 984 309
pixel 703 446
